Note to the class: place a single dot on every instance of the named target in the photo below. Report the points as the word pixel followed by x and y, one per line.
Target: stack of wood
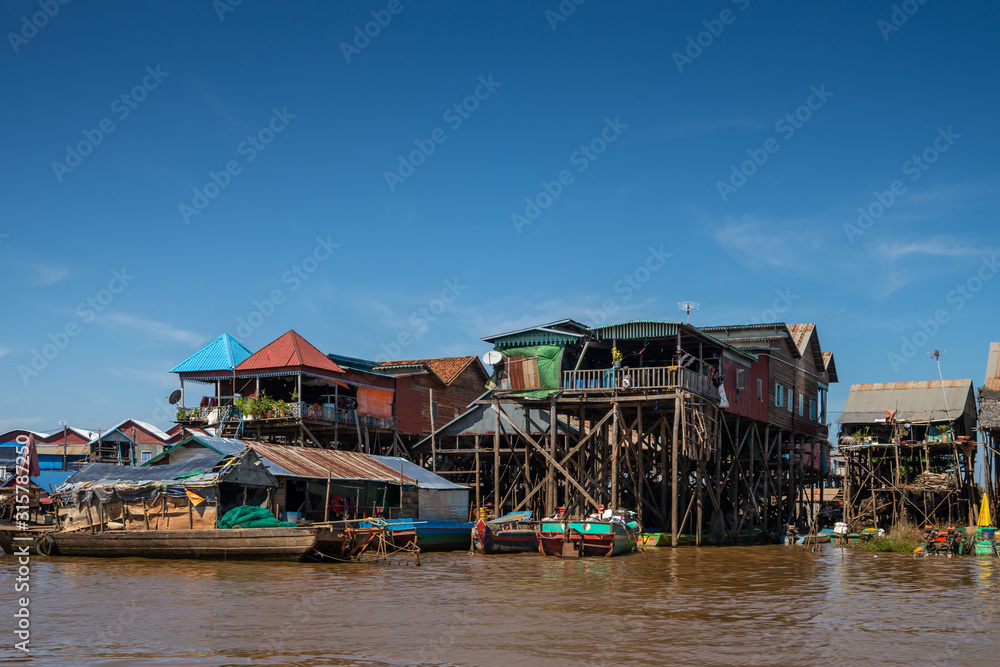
pixel 933 481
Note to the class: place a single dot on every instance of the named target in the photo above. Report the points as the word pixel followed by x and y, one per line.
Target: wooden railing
pixel 632 379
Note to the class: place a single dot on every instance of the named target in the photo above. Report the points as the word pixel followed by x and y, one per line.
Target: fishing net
pixel 246 516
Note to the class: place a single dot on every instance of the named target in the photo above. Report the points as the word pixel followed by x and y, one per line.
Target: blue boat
pixel 432 534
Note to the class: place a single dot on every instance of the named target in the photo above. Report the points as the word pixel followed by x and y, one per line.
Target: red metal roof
pixel 289 351
pixel 316 463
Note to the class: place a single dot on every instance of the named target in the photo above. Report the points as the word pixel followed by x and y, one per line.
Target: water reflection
pixel 734 605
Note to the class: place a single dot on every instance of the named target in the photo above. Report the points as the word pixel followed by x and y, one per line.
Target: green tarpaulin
pixel 246 516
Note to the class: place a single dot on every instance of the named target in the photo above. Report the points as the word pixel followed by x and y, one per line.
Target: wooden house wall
pixel 72 438
pixel 746 403
pixel 174 515
pixel 799 375
pixel 451 400
pixel 408 407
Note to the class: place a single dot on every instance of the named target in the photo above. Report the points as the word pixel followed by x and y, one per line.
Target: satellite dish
pixel 492 358
pixel 175 396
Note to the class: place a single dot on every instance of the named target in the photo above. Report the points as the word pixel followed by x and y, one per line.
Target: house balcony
pixel 638 380
pixel 292 413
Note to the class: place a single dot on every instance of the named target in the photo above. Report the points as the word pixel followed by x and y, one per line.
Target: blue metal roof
pixel 425 478
pixel 223 353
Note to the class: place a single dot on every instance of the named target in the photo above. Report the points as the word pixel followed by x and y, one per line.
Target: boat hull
pixel 496 539
pixel 587 538
pixel 265 544
pixel 13 540
pixel 435 535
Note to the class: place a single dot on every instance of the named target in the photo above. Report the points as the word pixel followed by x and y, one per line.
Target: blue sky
pixel 182 166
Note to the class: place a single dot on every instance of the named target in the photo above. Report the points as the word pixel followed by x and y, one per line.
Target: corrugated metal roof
pixel 50 480
pixel 993 368
pixel 308 462
pixel 918 401
pixel 93 472
pixel 800 334
pixel 352 362
pixel 223 353
pixel 447 369
pixel 635 329
pixel 425 478
pixel 481 420
pixel 571 328
pixel 316 463
pixel 289 350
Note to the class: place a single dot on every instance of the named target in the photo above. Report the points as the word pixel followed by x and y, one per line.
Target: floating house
pixel 910 450
pixel 291 393
pixel 989 422
pixel 357 485
pixel 684 424
pixel 189 494
pixel 129 443
pixel 66 449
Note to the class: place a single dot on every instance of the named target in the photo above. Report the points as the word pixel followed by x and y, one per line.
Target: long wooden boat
pixel 265 544
pixel 432 534
pixel 589 537
pixel 12 539
pixel 507 534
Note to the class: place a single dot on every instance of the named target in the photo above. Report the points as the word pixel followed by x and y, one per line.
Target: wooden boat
pixel 655 539
pixel 511 533
pixel 432 534
pixel 594 536
pixel 266 544
pixel 12 539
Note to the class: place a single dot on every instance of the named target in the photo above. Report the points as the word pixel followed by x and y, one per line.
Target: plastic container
pixel 294 517
pixel 988 532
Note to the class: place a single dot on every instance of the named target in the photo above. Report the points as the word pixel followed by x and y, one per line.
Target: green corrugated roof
pixel 636 329
pixel 352 362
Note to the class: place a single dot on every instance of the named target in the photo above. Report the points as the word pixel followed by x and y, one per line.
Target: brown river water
pixel 768 605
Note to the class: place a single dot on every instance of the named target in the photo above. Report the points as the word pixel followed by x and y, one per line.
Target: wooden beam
pixel 548 457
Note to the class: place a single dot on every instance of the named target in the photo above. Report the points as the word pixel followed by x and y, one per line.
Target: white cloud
pixel 769 243
pixel 43 275
pixel 4 351
pixel 156 329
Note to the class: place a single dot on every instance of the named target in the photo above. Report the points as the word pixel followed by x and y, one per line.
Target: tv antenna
pixel 936 356
pixel 688 306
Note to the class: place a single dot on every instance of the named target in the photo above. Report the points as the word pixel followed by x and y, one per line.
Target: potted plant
pixel 616 357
